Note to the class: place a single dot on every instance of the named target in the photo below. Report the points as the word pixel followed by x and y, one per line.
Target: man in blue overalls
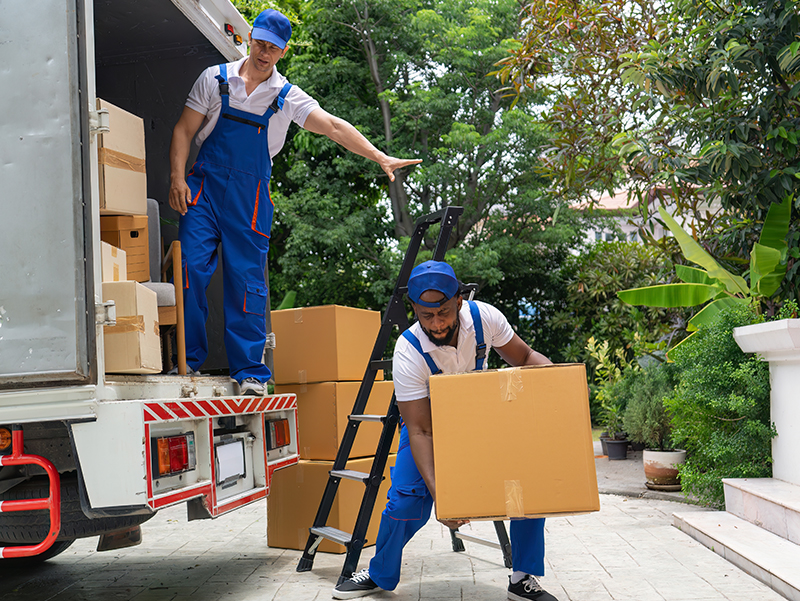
pixel 450 336
pixel 240 113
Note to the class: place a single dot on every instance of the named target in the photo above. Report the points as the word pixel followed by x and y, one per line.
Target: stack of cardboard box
pixel 133 346
pixel 321 355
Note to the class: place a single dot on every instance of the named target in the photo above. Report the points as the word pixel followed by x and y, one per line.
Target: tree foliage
pixel 412 77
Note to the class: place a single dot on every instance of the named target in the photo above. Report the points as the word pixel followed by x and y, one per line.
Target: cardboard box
pixel 512 443
pixel 133 346
pixel 129 233
pixel 113 263
pixel 323 344
pixel 123 181
pixel 322 411
pixel 295 495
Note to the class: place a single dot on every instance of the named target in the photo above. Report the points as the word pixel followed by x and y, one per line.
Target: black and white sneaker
pixel 358 586
pixel 252 387
pixel 528 588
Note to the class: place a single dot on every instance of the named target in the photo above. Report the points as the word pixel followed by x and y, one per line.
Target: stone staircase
pixel 759 532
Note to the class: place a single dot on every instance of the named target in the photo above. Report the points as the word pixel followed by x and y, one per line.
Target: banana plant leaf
pixel 692 275
pixel 669 295
pixel 709 313
pixel 776 225
pixel 764 261
pixel 696 254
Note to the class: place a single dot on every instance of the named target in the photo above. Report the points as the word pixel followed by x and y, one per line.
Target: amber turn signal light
pixel 5 440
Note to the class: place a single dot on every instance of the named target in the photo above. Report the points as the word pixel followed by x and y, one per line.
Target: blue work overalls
pixel 231 205
pixel 409 502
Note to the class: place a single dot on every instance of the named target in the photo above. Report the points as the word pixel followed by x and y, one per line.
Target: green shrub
pixel 720 409
pixel 646 419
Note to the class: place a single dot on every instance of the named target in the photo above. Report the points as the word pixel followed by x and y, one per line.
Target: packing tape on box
pixel 120 160
pixel 302 377
pixel 132 323
pixel 515 508
pixel 510 383
pixel 158 332
pixel 298 316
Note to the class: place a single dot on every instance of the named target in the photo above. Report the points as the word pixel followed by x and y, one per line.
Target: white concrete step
pixel 766 502
pixel 765 556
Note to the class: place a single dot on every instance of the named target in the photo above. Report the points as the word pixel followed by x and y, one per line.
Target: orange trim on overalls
pixel 255 212
pixel 200 191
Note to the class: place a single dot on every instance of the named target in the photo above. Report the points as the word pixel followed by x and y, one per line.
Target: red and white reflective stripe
pixel 175 410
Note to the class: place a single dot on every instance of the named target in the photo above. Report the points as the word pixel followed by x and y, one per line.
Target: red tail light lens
pixel 173 454
pixel 278 434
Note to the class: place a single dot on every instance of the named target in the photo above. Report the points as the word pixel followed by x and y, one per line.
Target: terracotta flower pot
pixel 661 469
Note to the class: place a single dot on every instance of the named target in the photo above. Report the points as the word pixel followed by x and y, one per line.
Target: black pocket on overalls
pixel 255 298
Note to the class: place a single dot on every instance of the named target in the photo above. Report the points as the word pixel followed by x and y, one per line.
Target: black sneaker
pixel 528 588
pixel 358 586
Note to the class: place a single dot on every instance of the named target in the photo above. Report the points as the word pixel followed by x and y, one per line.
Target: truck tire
pixel 58 547
pixel 26 527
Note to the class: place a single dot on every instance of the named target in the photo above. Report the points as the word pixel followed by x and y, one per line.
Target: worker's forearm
pixel 348 136
pixel 422 450
pixel 179 153
pixel 536 358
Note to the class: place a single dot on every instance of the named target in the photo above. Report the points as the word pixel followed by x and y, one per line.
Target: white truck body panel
pixel 142 55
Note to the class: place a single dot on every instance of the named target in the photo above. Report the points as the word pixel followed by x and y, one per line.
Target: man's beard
pixel 446 339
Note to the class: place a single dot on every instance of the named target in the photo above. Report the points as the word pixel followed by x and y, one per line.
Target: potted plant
pixel 647 420
pixel 616 445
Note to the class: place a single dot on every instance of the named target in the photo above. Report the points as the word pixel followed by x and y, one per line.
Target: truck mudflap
pixel 221 452
pixel 52 503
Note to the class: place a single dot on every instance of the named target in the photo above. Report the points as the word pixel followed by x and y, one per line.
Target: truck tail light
pixel 278 434
pixel 173 454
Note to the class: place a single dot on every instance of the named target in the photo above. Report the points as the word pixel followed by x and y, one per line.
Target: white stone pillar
pixel 779 343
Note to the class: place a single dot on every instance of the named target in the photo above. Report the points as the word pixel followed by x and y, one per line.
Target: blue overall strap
pixel 224 88
pixel 428 359
pixel 480 345
pixel 277 104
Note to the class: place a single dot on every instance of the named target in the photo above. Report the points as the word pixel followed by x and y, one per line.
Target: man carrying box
pixel 241 112
pixel 450 336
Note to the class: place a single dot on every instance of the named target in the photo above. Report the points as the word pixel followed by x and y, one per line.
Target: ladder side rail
pixel 449 220
pixel 359 537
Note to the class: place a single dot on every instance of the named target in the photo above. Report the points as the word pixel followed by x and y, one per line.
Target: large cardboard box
pixel 113 262
pixel 322 411
pixel 512 443
pixel 123 181
pixel 133 346
pixel 323 344
pixel 295 494
pixel 129 232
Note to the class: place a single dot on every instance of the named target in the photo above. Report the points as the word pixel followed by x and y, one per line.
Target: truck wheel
pixel 58 547
pixel 26 527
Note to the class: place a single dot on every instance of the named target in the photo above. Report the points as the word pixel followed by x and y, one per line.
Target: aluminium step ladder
pixel 395 315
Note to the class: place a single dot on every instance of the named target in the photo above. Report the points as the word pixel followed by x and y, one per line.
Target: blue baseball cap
pixel 432 275
pixel 272 26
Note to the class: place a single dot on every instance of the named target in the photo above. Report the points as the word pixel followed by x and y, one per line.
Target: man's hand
pixel 391 164
pixel 453 524
pixel 179 195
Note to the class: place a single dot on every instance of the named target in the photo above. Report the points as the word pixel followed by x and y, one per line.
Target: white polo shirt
pixel 411 373
pixel 204 98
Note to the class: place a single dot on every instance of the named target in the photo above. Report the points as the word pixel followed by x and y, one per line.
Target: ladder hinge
pixel 105 313
pixel 99 123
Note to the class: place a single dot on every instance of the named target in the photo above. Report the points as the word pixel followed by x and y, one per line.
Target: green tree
pixel 412 76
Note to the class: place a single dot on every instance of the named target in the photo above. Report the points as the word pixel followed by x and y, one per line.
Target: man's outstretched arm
pixel 342 132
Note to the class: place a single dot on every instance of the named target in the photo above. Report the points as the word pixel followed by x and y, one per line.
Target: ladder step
pixel 334 534
pixel 367 418
pixel 381 364
pixel 350 475
pixel 480 541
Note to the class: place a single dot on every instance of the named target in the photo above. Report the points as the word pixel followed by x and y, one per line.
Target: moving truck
pixel 83 452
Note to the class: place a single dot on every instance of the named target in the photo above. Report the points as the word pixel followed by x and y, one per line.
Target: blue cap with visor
pixel 273 27
pixel 432 275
